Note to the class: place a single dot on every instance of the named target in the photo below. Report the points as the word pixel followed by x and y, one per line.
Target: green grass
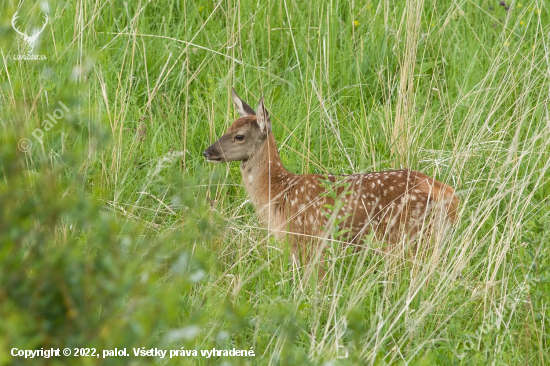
pixel 116 232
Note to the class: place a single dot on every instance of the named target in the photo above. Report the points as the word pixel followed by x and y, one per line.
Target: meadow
pixel 116 233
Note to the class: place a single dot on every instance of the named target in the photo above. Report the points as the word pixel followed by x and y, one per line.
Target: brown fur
pixel 394 205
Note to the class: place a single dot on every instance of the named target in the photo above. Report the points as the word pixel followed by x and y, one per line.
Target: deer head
pixel 29 40
pixel 243 138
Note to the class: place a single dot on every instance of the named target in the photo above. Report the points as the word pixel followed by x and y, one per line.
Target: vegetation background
pixel 115 233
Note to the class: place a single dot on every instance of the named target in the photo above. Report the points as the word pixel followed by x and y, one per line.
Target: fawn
pixel 393 205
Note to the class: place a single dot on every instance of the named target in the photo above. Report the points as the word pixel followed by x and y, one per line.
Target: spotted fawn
pixel 393 206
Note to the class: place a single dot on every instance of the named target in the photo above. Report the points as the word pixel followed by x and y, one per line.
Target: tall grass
pixel 457 90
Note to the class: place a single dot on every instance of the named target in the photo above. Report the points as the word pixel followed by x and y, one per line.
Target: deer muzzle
pixel 213 155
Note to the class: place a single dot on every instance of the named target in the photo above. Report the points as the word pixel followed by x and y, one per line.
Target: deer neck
pixel 264 175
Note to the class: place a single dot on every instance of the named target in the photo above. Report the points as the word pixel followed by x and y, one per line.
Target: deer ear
pixel 263 117
pixel 243 109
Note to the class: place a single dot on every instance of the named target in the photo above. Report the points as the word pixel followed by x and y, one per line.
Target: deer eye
pixel 239 138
